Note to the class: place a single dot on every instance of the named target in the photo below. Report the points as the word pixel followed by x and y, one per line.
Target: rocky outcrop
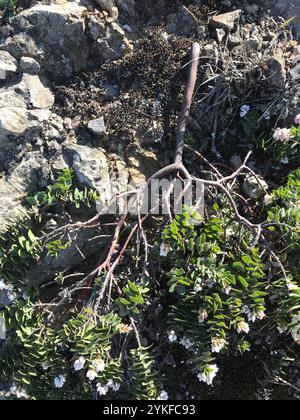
pixel 8 65
pixel 23 106
pixel 52 34
pixel 23 180
pixel 58 37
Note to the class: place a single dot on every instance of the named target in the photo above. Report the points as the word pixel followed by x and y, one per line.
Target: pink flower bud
pixel 297 119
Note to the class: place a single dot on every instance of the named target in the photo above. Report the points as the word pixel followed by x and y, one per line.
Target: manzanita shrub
pixel 214 293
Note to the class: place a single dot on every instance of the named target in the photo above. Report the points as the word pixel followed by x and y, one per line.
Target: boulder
pixel 110 42
pixel 182 23
pixel 36 94
pixel 275 71
pixel 29 65
pixel 14 188
pixel 23 106
pixel 53 34
pixel 106 4
pixel 226 21
pixel 90 166
pixel 8 65
pixel 255 187
pixel 97 126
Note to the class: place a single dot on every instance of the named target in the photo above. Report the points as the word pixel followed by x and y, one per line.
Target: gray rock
pixel 4 301
pixel 37 94
pixel 255 187
pixel 97 28
pixel 113 44
pixel 29 65
pixel 13 121
pixel 295 72
pixel 8 65
pixel 127 9
pixel 253 44
pixel 90 166
pixel 106 4
pixel 252 8
pixel 276 71
pixel 182 23
pixel 234 39
pixel 235 162
pixel 84 244
pixel 97 126
pixel 54 35
pixel 226 21
pixel 14 188
pixel 220 34
pixel 226 3
pixel 23 106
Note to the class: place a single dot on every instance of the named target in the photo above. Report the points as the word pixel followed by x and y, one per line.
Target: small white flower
pixel 13 389
pixel 202 315
pixel 172 337
pixel 186 342
pixel 260 315
pixel 285 160
pixel 45 366
pixel 59 381
pixel 115 386
pixel 208 374
pixel 163 396
pixel 268 199
pixel 79 363
pixel 2 284
pixel 91 374
pixel 217 344
pixel 164 249
pixel 227 290
pixel 198 287
pixel 244 110
pixel 242 326
pixel 11 296
pixel 102 389
pixel 99 365
pixel 282 329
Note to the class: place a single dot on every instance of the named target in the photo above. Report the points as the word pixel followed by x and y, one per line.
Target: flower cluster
pixel 282 134
pixel 217 344
pixel 164 249
pixel 97 366
pixel 253 315
pixel 203 315
pixel 163 396
pixel 186 342
pixel 59 381
pixel 103 389
pixel 208 375
pixel 243 327
pixel 172 336
pixel 244 110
